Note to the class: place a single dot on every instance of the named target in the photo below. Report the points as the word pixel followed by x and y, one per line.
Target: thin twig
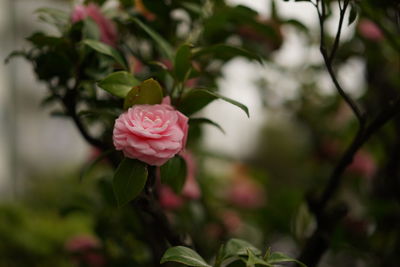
pixel 339 30
pixel 329 58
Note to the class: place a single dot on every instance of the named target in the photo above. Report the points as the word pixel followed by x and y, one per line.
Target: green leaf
pixel 118 83
pixel 353 13
pixel 207 121
pixel 40 40
pixel 225 52
pixel 106 50
pixel 164 45
pixel 253 260
pixel 237 247
pixel 56 17
pixel 192 7
pixel 16 54
pixel 185 256
pixel 129 180
pixel 148 92
pixel 277 257
pixel 183 62
pixel 173 173
pixel 90 29
pixel 197 99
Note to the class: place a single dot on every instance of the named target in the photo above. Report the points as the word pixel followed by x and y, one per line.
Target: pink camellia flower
pixel 108 32
pixel 370 30
pixel 151 133
pixel 363 164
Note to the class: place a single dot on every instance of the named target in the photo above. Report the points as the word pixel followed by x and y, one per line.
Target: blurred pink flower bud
pixel 245 192
pixel 81 243
pixel 168 199
pixel 363 164
pixel 231 221
pixel 213 230
pixel 370 30
pixel 84 249
pixel 108 32
pixel 191 188
pixel 135 65
pixel 192 82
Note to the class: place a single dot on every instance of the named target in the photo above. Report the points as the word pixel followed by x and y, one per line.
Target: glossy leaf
pixel 183 62
pixel 129 180
pixel 40 40
pixel 106 50
pixel 277 257
pixel 56 17
pixel 185 256
pixel 148 92
pixel 173 173
pixel 353 13
pixel 237 247
pixel 253 260
pixel 90 29
pixel 207 121
pixel 197 99
pixel 225 51
pixel 164 45
pixel 118 83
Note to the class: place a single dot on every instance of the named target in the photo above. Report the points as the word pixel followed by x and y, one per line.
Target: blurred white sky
pixel 43 141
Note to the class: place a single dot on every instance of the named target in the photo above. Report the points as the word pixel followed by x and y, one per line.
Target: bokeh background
pixel 32 143
pixel 254 179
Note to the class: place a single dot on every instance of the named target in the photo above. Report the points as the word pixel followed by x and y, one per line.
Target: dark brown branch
pixel 328 57
pixel 320 238
pixel 339 31
pixel 318 243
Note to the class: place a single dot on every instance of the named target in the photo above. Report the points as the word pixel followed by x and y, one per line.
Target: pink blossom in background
pixel 191 189
pixel 85 250
pixel 135 65
pixel 244 192
pixel 168 199
pixel 108 32
pixel 151 133
pixel 363 164
pixel 231 221
pixel 370 30
pixel 213 230
pixel 167 63
pixel 81 243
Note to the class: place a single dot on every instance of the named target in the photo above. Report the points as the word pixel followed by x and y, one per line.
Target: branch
pixel 69 101
pixel 318 243
pixel 339 31
pixel 328 57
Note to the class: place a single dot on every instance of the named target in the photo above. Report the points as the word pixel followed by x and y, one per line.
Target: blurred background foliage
pixel 59 219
